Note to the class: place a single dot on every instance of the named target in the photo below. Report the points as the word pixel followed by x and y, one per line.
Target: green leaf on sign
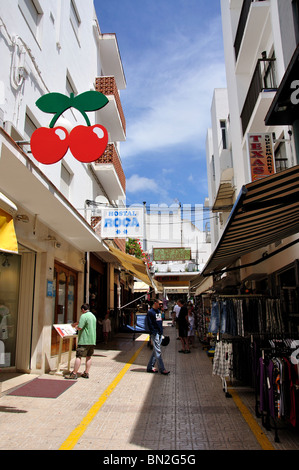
pixel 53 103
pixel 90 101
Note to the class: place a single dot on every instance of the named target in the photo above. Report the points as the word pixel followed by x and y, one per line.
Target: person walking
pixel 106 327
pixel 176 310
pixel 86 341
pixel 155 325
pixel 191 327
pixel 183 327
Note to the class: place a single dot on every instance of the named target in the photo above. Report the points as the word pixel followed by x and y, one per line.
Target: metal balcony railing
pixel 242 24
pixel 263 80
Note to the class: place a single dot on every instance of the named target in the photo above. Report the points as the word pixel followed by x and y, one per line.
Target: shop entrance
pixel 288 284
pixel 65 286
pixel 10 266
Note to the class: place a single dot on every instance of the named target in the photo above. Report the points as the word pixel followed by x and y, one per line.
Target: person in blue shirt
pixel 155 325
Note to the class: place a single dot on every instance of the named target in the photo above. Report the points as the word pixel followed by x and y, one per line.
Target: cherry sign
pixel 86 143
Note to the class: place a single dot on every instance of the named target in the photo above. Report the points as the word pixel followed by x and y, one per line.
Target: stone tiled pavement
pixel 186 410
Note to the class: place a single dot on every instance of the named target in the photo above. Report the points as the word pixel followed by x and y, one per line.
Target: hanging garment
pixel 215 318
pixel 230 318
pixel 223 359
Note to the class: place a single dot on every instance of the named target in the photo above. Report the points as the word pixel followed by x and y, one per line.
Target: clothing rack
pixel 240 296
pixel 269 405
pixel 254 349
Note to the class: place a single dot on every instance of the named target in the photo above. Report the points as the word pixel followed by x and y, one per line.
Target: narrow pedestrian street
pixel 122 407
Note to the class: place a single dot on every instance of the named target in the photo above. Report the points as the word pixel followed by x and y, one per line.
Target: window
pixel 75 18
pixel 281 161
pixel 32 13
pixel 213 168
pixel 269 73
pixel 69 86
pixel 29 128
pixel 223 134
pixel 9 294
pixel 65 181
pixel 64 301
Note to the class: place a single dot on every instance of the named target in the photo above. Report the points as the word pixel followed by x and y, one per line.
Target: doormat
pixel 43 388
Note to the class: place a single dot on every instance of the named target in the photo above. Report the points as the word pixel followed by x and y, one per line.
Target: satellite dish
pixel 102 200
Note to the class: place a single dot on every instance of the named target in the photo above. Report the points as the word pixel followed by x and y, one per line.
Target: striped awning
pixel 265 212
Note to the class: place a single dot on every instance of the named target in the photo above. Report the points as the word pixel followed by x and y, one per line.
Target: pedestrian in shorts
pixel 86 341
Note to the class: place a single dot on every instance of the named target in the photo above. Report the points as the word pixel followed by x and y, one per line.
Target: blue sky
pixel 172 54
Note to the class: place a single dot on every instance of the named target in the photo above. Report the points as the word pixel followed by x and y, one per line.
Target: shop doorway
pixel 65 288
pixel 288 284
pixel 17 282
pixel 10 267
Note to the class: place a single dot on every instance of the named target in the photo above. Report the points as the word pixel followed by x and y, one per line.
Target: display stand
pixel 65 331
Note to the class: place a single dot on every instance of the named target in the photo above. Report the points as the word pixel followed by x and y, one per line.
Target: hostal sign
pixel 122 223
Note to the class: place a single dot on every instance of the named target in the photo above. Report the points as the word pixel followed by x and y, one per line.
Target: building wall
pixel 273 34
pixel 173 228
pixel 59 52
pixel 56 54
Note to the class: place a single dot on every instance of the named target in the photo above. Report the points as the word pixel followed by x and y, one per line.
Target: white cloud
pixel 138 183
pixel 141 184
pixel 170 97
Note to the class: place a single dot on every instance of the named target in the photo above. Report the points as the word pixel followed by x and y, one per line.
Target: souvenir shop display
pixel 253 345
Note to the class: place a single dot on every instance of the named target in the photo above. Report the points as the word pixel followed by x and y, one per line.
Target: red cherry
pixel 88 143
pixel 49 145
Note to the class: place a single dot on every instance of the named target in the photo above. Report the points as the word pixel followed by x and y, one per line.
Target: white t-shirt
pixel 177 309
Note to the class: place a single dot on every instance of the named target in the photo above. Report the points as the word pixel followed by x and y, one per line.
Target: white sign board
pixel 65 330
pixel 122 223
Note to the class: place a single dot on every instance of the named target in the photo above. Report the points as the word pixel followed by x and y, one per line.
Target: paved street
pixel 121 407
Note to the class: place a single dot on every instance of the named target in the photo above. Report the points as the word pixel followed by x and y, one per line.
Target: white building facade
pixel 177 242
pixel 254 189
pixel 60 261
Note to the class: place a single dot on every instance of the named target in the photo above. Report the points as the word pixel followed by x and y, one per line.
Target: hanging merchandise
pixel 241 315
pixel 253 347
pixel 277 383
pixel 223 362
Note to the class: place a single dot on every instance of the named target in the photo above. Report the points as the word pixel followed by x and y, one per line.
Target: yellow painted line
pixel 75 435
pixel 252 423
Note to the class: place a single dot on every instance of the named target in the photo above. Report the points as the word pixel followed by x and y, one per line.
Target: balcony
pixel 260 95
pixel 253 32
pixel 224 200
pixel 110 59
pixel 109 170
pixel 224 180
pixel 112 115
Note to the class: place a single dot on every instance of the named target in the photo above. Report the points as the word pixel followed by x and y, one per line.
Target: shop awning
pixel 266 211
pixel 200 284
pixel 8 238
pixel 135 266
pixel 140 286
